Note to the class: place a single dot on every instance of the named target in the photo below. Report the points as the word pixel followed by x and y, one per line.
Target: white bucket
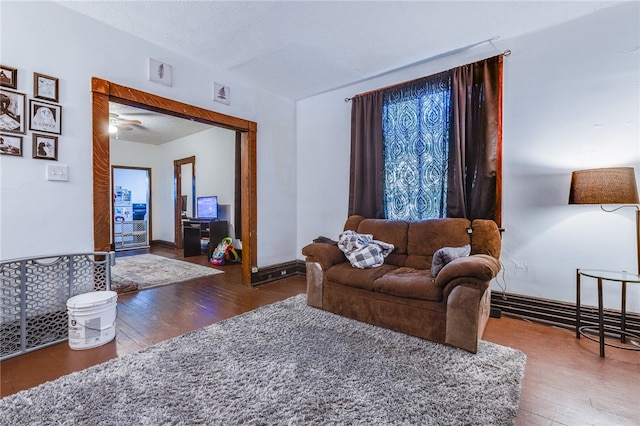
pixel 92 319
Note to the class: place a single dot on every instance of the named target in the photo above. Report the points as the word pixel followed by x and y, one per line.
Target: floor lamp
pixel 616 185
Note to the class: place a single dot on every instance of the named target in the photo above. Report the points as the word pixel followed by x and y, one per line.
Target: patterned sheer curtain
pixel 415 127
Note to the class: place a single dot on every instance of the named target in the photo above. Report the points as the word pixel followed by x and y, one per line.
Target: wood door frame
pixel 102 92
pixel 177 182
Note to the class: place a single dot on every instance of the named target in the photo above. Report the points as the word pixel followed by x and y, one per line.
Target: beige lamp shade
pixel 616 185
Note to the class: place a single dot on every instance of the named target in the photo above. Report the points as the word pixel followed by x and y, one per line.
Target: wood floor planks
pixel 566 382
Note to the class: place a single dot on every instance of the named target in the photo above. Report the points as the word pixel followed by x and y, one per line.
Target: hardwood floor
pixel 566 382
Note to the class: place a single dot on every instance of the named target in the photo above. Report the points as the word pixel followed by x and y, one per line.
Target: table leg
pixel 578 303
pixel 623 313
pixel 600 317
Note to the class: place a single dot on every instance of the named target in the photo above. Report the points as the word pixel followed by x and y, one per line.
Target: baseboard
pixel 557 313
pixel 162 243
pixel 279 271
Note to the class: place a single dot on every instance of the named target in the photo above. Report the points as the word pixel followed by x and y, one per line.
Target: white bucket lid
pixel 95 298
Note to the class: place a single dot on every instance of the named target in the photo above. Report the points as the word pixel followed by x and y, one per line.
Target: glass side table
pixel 614 276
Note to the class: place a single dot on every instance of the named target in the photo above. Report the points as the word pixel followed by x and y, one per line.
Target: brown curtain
pixel 474 183
pixel 366 180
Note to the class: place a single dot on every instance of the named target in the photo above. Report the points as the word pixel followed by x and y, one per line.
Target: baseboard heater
pixel 556 313
pixel 546 311
pixel 271 273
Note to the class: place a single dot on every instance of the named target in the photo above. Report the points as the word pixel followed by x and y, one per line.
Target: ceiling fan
pixel 121 123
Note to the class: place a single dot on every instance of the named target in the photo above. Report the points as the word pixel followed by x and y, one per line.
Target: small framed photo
pixel 10 145
pixel 45 87
pixel 12 111
pixel 45 117
pixel 160 72
pixel 45 147
pixel 8 77
pixel 221 93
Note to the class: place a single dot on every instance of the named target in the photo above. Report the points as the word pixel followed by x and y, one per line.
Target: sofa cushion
pixel 353 222
pixel 427 236
pixel 345 274
pixel 409 283
pixel 485 239
pixel 390 231
pixel 445 255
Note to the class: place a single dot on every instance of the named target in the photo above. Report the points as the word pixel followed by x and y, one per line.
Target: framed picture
pixel 45 87
pixel 45 117
pixel 12 111
pixel 221 93
pixel 8 77
pixel 10 145
pixel 45 147
pixel 160 72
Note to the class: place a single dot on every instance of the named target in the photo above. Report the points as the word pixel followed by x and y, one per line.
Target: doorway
pixel 184 172
pixel 131 214
pixel 103 92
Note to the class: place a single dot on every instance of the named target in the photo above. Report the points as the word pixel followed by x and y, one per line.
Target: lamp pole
pixel 638 238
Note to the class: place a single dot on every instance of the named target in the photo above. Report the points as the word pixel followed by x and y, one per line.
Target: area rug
pixel 284 363
pixel 143 271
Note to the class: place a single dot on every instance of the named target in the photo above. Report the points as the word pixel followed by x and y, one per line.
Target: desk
pixel 196 232
pixel 614 276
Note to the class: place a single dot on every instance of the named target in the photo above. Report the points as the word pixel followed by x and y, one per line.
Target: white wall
pixel 135 154
pixel 47 38
pixel 134 180
pixel 571 101
pixel 214 150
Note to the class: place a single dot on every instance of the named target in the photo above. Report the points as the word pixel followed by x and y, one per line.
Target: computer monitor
pixel 207 207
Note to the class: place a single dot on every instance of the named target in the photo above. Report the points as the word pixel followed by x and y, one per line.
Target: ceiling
pixel 301 48
pixel 156 128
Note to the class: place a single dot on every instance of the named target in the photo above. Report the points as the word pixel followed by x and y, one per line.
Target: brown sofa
pixel 402 295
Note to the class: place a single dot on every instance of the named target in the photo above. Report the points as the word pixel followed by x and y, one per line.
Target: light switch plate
pixel 57 172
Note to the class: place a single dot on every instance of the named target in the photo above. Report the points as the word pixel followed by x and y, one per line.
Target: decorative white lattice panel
pixel 34 294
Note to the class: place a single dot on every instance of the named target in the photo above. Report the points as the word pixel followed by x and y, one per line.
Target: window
pixel 415 129
pixel 431 147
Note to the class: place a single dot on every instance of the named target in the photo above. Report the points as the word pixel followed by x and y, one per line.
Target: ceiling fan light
pixel 112 128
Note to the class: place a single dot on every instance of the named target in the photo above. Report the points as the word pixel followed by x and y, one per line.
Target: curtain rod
pixel 432 58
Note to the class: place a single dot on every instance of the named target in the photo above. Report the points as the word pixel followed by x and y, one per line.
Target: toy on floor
pixel 224 252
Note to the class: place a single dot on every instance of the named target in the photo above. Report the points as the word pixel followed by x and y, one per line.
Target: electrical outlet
pixel 57 172
pixel 254 269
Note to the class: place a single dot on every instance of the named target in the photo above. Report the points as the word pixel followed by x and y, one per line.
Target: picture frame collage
pixel 44 118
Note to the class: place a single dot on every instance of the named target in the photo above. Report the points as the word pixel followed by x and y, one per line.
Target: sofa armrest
pixel 325 254
pixel 315 281
pixel 478 268
pixel 467 315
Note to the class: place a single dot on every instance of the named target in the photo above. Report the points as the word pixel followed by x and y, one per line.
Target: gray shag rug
pixel 284 363
pixel 137 272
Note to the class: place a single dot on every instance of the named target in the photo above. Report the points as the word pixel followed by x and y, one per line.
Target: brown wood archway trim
pixel 104 91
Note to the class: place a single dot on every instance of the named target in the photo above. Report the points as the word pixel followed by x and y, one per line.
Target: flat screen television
pixel 207 207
